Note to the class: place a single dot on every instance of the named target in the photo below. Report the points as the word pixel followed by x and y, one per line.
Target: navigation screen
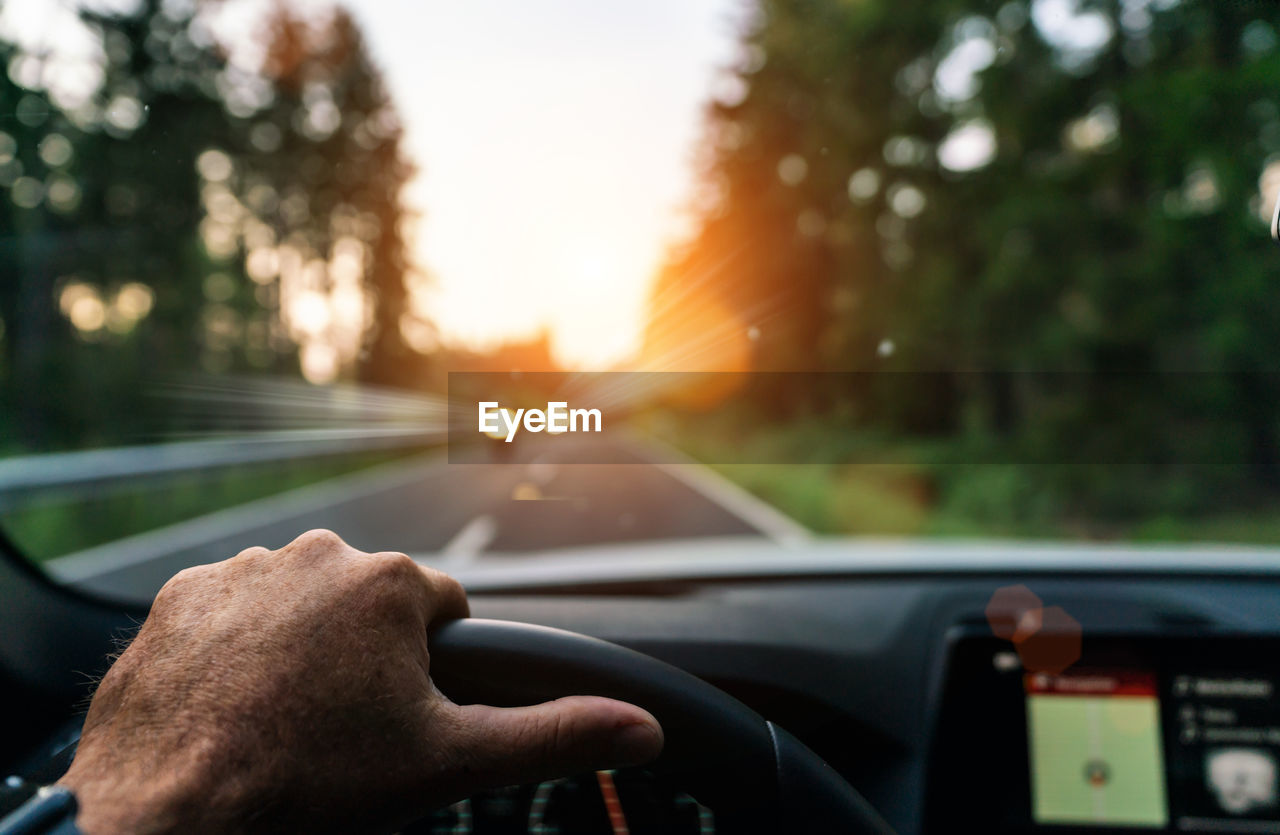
pixel 1145 734
pixel 1095 748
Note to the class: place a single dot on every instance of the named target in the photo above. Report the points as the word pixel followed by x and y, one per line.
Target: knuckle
pixel 391 577
pixel 445 587
pixel 318 541
pixel 257 552
pixel 392 567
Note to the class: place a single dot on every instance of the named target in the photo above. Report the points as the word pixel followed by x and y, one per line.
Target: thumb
pixel 506 746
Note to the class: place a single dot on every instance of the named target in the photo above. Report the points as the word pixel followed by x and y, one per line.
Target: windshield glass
pixel 960 269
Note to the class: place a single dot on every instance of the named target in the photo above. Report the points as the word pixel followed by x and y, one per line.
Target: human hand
pixel 291 690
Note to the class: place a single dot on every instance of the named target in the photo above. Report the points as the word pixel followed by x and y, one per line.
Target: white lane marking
pixel 467 543
pixel 191 533
pixel 767 519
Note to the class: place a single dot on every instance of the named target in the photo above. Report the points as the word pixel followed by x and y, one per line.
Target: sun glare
pixel 556 142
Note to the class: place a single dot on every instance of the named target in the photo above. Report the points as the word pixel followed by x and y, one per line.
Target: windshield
pixel 957 270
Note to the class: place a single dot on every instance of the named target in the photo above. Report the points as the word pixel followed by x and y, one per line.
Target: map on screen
pixel 1095 749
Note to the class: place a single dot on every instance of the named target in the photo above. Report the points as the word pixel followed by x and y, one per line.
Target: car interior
pixel 882 393
pixel 891 676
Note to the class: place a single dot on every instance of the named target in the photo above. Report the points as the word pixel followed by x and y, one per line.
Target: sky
pixel 556 143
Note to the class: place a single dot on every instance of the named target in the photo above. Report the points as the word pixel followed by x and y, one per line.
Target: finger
pixel 505 746
pixel 448 598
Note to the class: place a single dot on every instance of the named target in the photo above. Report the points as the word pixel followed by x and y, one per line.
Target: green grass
pixel 835 499
pixel 1257 526
pixel 44 531
pixel 867 484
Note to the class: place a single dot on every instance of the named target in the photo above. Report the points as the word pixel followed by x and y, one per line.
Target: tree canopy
pixel 167 208
pixel 1037 223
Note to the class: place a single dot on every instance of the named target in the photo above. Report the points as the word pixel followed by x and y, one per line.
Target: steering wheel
pixel 753 774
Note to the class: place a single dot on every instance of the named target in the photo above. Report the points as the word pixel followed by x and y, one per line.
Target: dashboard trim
pixel 740 558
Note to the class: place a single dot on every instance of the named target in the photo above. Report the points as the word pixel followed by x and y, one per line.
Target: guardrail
pixel 35 479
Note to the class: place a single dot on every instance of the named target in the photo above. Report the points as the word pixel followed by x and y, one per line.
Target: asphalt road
pixel 448 514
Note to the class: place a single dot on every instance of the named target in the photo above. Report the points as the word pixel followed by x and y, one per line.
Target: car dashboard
pixel 1167 721
pixel 902 680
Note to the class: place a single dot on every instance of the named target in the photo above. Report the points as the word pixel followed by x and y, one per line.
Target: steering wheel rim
pixel 755 775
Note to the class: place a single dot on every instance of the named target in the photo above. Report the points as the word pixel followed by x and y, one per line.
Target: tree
pixel 1032 202
pixel 339 155
pixel 170 214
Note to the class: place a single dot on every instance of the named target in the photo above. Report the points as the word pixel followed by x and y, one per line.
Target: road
pixel 448 514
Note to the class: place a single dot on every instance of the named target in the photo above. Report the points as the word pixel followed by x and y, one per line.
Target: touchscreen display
pixel 1095 749
pixel 1224 744
pixel 1128 748
pixel 1145 733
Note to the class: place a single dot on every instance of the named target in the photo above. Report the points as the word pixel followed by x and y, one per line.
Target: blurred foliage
pixel 166 210
pixel 994 189
pixel 864 484
pixel 51 529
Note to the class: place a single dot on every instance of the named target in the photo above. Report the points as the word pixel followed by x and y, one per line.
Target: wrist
pixel 110 805
pixel 116 797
